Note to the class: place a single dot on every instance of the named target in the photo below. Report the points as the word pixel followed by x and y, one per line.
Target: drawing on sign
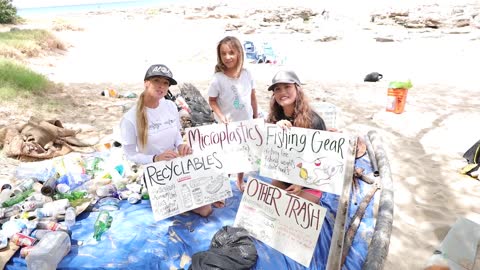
pixel 316 171
pixel 215 184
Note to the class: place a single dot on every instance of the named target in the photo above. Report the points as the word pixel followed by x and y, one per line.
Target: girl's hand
pixel 294 189
pixel 167 155
pixel 184 149
pixel 224 119
pixel 284 124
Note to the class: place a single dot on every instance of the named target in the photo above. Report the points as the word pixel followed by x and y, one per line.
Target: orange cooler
pixel 396 98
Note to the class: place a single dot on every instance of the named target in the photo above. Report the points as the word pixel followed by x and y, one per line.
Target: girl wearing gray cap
pixel 289 107
pixel 151 130
pixel 231 93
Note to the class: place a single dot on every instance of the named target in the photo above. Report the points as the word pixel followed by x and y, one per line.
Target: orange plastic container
pixel 396 98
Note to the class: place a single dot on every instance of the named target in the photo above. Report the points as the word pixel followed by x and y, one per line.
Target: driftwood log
pixel 378 248
pixel 356 220
pixel 200 114
pixel 338 236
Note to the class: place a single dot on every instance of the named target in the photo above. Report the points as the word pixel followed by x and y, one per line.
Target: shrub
pixel 8 13
pixel 28 43
pixel 16 79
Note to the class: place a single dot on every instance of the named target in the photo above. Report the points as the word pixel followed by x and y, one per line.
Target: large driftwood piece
pixel 378 248
pixel 356 220
pixel 336 246
pixel 201 114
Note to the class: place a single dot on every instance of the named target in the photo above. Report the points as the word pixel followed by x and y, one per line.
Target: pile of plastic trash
pixel 38 206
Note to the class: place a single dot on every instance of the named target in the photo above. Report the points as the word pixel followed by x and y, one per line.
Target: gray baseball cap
pixel 160 70
pixel 284 76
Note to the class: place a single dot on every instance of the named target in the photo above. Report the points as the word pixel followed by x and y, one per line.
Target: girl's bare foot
pixel 241 185
pixel 219 204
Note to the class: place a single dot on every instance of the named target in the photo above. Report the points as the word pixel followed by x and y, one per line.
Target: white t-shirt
pixel 233 95
pixel 163 132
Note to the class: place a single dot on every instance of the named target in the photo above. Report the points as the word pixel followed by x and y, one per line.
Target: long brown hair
pixel 235 43
pixel 142 122
pixel 302 114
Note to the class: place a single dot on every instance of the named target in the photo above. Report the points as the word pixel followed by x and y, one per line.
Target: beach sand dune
pixel 424 144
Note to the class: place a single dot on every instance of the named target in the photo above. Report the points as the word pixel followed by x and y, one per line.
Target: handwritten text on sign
pixel 307 157
pixel 183 184
pixel 285 222
pixel 240 142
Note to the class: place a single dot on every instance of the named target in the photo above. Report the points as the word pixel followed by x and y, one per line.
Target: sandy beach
pixel 424 144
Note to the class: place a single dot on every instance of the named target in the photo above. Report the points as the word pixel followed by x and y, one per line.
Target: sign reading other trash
pixel 306 157
pixel 285 222
pixel 241 142
pixel 186 183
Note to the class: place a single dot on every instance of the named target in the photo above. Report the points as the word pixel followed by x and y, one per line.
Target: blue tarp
pixel 136 241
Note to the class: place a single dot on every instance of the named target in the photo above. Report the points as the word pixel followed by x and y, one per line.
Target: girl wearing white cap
pixel 289 107
pixel 151 130
pixel 232 90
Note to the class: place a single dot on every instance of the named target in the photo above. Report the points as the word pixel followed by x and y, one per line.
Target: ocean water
pixel 124 5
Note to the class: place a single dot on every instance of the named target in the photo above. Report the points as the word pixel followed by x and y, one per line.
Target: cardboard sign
pixel 285 222
pixel 186 183
pixel 306 157
pixel 241 143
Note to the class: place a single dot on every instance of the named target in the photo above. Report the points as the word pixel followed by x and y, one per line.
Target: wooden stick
pixel 371 156
pixel 335 252
pixel 378 249
pixel 357 218
pixel 364 178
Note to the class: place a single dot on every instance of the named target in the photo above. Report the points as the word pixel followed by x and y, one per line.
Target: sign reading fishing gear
pixel 186 183
pixel 285 222
pixel 311 158
pixel 241 143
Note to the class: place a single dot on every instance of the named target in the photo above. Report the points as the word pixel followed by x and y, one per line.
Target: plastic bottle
pixel 49 251
pixel 72 180
pixel 107 191
pixel 23 186
pixel 17 198
pixel 134 198
pixel 102 224
pixel 39 233
pixel 51 225
pixel 71 196
pixel 94 165
pixel 10 211
pixel 70 216
pixel 57 204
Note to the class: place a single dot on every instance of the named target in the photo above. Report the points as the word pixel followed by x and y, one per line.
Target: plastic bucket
pixel 396 99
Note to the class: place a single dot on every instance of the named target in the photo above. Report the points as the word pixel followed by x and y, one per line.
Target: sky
pixel 52 3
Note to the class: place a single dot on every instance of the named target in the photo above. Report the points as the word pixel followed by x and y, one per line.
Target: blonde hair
pixel 142 122
pixel 302 115
pixel 235 43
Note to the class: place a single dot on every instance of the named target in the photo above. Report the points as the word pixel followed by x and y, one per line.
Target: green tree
pixel 8 13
